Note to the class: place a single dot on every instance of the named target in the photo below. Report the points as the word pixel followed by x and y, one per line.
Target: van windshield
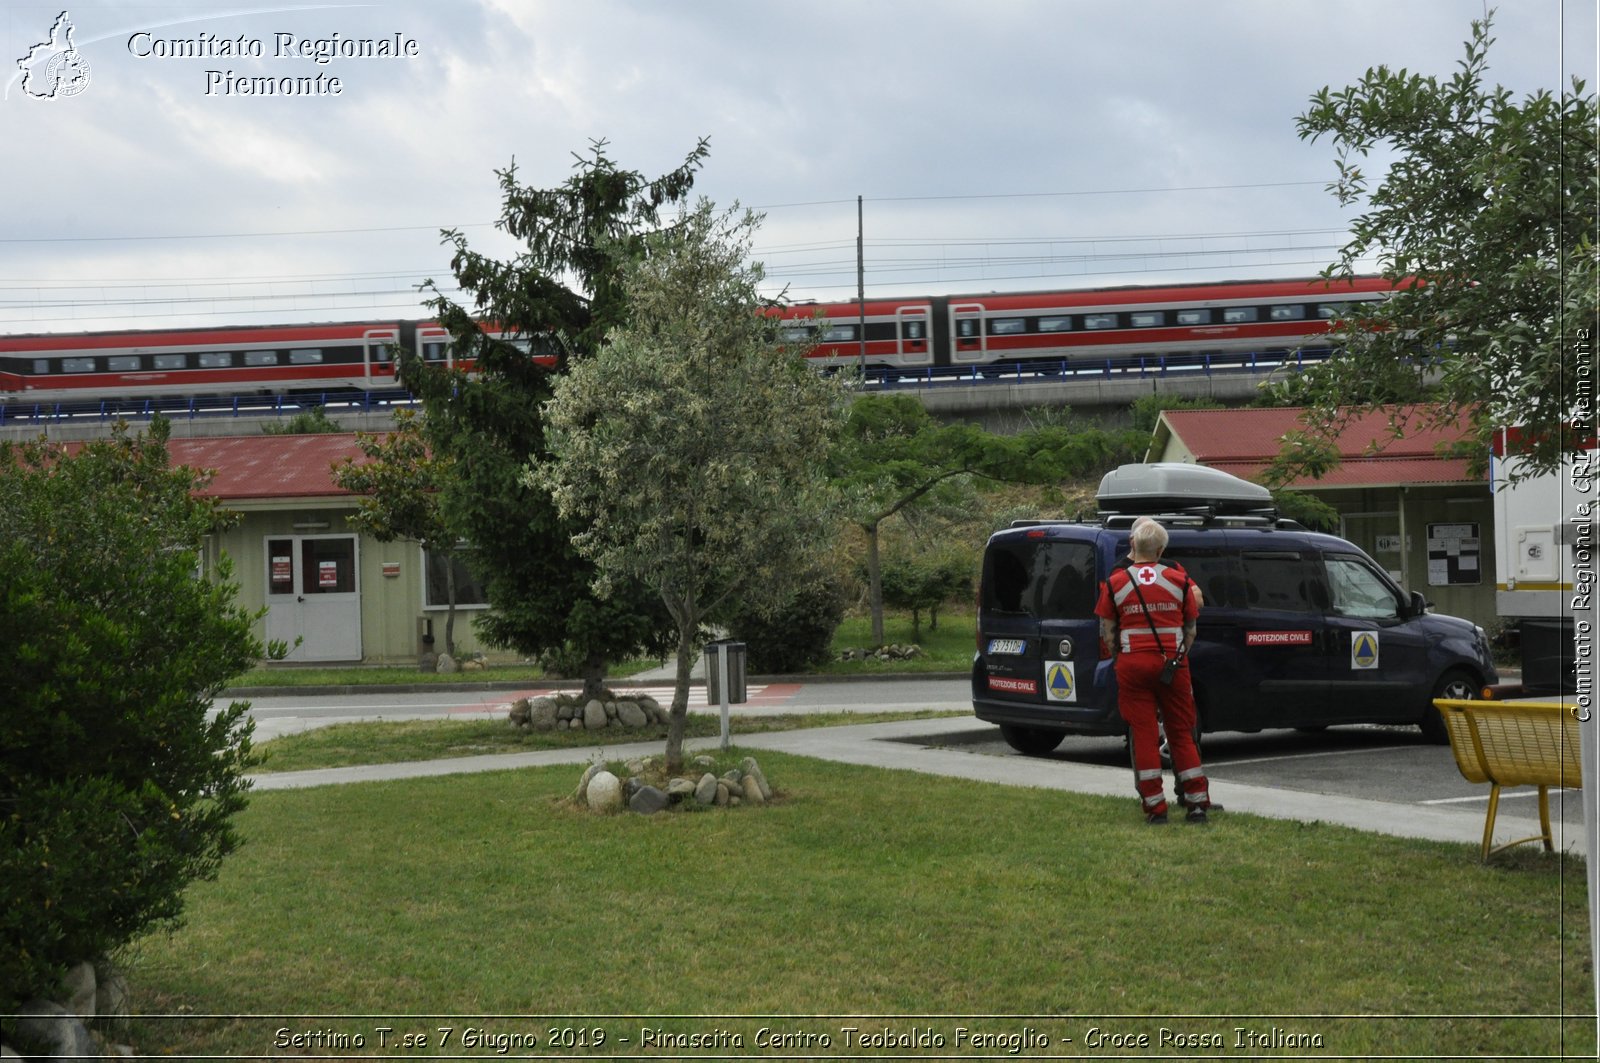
pixel 1040 579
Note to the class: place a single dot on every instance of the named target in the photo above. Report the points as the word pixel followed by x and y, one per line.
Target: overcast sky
pixel 1006 145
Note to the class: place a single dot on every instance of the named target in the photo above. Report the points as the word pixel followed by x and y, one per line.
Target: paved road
pixel 1392 765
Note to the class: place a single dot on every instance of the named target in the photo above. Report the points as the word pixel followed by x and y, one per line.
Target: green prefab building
pixel 328 592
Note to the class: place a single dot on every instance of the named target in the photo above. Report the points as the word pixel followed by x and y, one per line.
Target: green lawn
pixel 859 892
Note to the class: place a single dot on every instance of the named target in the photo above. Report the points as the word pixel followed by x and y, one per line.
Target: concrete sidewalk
pixel 914 745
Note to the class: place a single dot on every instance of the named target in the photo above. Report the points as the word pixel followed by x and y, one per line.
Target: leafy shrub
pixel 797 635
pixel 117 788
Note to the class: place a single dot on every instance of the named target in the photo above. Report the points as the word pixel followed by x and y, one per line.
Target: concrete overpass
pixel 999 403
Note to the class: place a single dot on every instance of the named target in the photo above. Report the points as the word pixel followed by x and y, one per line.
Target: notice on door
pixel 1453 554
pixel 327 573
pixel 282 571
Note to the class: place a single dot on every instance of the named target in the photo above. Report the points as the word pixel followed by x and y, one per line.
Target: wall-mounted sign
pixel 283 570
pixel 391 569
pixel 327 573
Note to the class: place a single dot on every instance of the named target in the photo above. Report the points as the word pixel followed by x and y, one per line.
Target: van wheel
pixel 1031 741
pixel 1456 685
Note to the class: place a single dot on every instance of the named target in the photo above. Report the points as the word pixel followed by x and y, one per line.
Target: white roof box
pixel 1174 487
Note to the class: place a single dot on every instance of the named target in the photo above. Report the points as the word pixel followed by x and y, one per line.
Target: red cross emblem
pixel 1147 575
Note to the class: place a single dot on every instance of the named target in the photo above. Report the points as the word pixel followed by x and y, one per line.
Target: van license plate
pixel 1015 646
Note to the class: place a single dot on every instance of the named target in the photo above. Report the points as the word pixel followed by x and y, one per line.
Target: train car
pixel 1088 324
pixel 264 360
pixel 274 359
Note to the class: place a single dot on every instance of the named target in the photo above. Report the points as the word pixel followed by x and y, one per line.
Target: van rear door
pixel 1038 635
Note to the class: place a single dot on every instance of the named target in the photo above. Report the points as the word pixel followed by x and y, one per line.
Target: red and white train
pixel 914 334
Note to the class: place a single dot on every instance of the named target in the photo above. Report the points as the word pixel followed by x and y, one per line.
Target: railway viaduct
pixel 1001 404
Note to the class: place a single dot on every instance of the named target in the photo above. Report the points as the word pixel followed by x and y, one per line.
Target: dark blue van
pixel 1298 629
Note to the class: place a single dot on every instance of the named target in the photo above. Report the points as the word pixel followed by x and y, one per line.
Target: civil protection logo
pixel 54 68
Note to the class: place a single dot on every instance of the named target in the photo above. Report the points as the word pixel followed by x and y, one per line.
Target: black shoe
pixel 1196 814
pixel 1156 819
pixel 1213 807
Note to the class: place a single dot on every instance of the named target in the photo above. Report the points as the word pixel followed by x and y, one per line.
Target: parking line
pixel 1303 756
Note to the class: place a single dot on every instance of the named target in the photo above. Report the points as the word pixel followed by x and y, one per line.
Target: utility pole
pixel 861 288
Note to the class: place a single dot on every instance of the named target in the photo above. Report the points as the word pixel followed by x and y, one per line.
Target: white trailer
pixel 1545 554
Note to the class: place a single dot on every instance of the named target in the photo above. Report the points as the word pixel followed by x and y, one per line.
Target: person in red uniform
pixel 1148 611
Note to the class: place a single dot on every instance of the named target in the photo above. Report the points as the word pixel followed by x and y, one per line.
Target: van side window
pixel 1041 580
pixel 1212 571
pixel 1281 580
pixel 1355 590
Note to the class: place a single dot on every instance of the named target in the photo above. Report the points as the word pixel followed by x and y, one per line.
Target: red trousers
pixel 1143 700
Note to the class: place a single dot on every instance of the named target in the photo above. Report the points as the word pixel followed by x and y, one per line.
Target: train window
pixel 1194 317
pixel 1147 319
pixel 123 363
pixel 1287 312
pixel 1235 315
pixel 305 356
pixel 914 330
pixel 838 333
pixel 967 328
pixel 1098 321
pixel 434 352
pixel 216 359
pixel 41 366
pixel 1055 324
pixel 1008 326
pixel 260 357
pixel 169 361
pixel 77 365
pixel 1329 311
pixel 787 335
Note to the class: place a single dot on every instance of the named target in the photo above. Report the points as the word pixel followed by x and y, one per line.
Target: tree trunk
pixel 450 605
pixel 874 583
pixel 594 676
pixel 679 715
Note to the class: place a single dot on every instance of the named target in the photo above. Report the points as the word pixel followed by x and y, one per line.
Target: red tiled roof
pixel 268 466
pixel 1244 442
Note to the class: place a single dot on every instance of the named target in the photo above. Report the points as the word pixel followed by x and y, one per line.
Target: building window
pixel 469 592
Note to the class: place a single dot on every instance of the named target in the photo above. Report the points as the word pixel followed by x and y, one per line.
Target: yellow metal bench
pixel 1514 743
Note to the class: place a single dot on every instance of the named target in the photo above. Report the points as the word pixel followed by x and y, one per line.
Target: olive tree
pixel 689 450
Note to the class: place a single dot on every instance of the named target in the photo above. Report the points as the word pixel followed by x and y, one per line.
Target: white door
pixel 313 597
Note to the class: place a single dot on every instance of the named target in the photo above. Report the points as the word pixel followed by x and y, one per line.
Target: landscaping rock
pixel 45 1029
pixel 630 715
pixel 594 715
pixel 79 985
pixel 543 714
pixel 649 800
pixel 605 792
pixel 750 790
pixel 753 770
pixel 706 792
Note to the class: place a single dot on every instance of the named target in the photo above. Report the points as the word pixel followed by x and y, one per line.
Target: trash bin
pixel 734 651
